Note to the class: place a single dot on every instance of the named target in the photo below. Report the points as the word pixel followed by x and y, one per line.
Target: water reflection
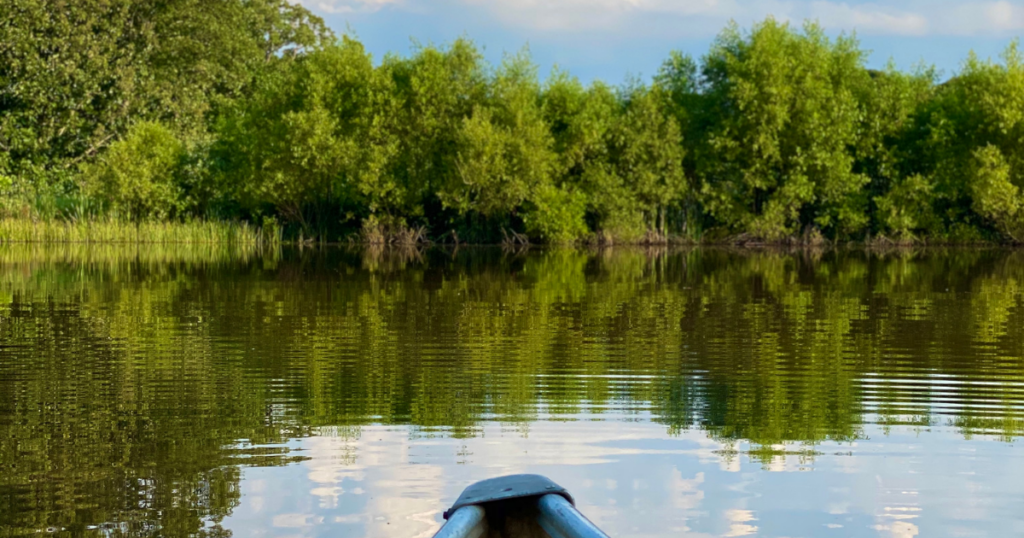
pixel 188 392
pixel 633 480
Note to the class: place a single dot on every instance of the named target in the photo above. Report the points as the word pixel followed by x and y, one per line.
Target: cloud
pixel 344 6
pixel 696 18
pixel 563 15
pixel 868 18
pixel 892 18
pixel 979 18
pixel 568 15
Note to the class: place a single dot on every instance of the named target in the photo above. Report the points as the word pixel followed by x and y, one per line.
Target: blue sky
pixel 613 39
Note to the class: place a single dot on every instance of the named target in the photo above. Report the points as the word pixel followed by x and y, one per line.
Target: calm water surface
pixel 186 392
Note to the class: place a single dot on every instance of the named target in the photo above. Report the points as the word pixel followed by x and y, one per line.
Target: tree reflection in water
pixel 135 383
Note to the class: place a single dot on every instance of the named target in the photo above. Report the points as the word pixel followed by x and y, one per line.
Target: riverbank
pixel 321 137
pixel 145 232
pixel 212 232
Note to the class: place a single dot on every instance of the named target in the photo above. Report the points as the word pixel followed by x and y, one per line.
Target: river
pixel 196 391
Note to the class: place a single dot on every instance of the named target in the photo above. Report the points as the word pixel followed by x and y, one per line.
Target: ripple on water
pixel 704 392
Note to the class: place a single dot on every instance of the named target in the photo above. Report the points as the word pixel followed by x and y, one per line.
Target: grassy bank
pixel 217 234
pixel 147 232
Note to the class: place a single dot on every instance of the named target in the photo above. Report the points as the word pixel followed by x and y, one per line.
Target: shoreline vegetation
pixel 143 232
pixel 250 122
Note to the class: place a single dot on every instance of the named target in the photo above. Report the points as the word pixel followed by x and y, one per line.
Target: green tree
pixel 679 78
pixel 980 107
pixel 64 77
pixel 785 117
pixel 137 176
pixel 74 76
pixel 314 139
pixel 638 175
pixel 906 207
pixel 436 90
pixel 556 214
pixel 900 185
pixel 504 153
pixel 581 121
pixel 684 99
pixel 646 147
pixel 995 196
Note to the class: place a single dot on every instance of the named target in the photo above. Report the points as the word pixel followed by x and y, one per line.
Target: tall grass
pixel 30 257
pixel 149 232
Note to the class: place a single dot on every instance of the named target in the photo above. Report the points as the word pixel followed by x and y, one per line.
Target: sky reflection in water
pixel 633 480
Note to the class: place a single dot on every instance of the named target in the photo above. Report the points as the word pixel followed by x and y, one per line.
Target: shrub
pixel 994 196
pixel 136 177
pixel 556 215
pixel 906 208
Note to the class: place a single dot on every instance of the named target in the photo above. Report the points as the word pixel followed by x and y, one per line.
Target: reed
pixel 27 258
pixel 147 232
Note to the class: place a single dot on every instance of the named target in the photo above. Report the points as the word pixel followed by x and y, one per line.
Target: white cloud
pixel 561 15
pixel 344 6
pixel 740 523
pixel 979 18
pixel 598 14
pixel 869 18
pixel 704 17
pixel 916 17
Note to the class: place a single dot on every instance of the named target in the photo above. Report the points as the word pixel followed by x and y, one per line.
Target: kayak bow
pixel 516 506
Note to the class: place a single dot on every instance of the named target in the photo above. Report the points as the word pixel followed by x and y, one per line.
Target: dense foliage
pixel 252 110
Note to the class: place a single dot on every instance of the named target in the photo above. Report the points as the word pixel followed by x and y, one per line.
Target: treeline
pixel 252 110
